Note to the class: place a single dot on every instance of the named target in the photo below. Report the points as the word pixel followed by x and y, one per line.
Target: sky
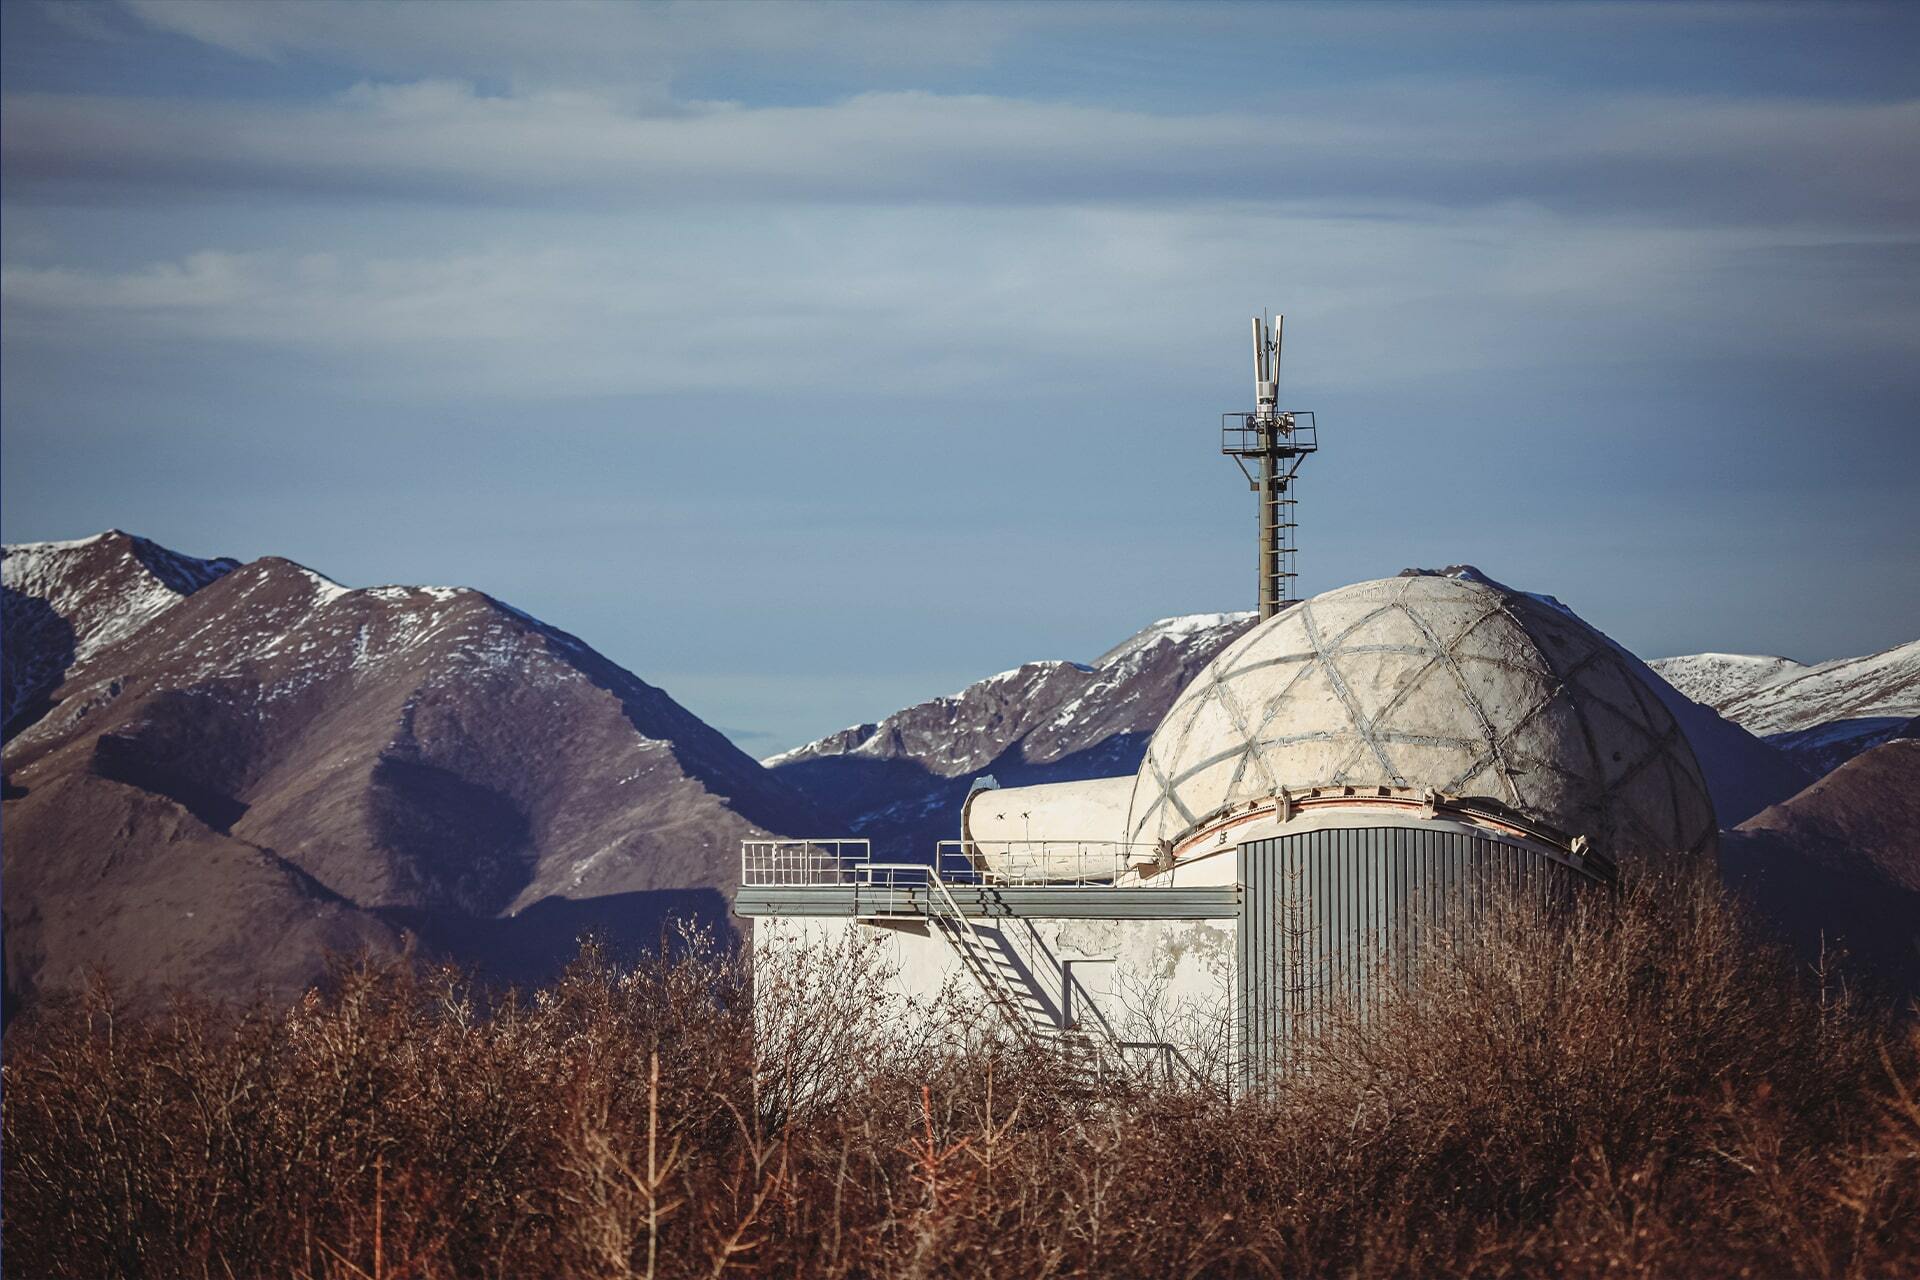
pixel 813 360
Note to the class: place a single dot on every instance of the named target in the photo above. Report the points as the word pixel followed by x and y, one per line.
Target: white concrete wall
pixel 1158 981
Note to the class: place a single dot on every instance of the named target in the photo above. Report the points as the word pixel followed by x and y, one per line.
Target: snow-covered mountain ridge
pixel 66 601
pixel 1822 714
pixel 900 781
pixel 1715 679
pixel 1062 687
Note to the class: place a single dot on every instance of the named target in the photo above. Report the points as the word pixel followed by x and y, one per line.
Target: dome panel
pixel 1611 684
pixel 1624 744
pixel 1416 764
pixel 1507 693
pixel 1292 695
pixel 1387 626
pixel 1650 796
pixel 1554 737
pixel 1493 639
pixel 1375 682
pixel 1494 782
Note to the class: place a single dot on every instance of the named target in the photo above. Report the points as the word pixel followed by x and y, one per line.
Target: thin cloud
pixel 582 40
pixel 934 301
pixel 1729 162
pixel 603 40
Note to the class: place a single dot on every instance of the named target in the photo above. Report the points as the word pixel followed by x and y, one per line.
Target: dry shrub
pixel 1637 1089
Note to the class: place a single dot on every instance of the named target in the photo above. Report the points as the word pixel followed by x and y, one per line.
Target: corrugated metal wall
pixel 1332 918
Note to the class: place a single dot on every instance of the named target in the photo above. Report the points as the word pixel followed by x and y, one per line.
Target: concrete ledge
pixel 1067 902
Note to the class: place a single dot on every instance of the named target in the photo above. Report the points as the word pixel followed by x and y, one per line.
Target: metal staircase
pixel 1023 1009
pixel 1088 1056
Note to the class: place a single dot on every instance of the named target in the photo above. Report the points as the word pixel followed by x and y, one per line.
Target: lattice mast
pixel 1269 444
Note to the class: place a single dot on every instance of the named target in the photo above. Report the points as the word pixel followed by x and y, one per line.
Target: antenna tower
pixel 1269 444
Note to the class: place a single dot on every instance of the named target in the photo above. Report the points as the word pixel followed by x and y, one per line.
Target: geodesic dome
pixel 1459 684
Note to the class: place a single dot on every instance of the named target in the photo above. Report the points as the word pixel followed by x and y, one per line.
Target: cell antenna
pixel 1269 444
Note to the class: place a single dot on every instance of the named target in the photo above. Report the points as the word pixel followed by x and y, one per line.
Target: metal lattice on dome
pixel 1458 684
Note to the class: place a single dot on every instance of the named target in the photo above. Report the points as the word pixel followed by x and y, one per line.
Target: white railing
pixel 1046 862
pixel 837 861
pixel 804 862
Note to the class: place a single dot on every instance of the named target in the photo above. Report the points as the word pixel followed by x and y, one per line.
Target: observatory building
pixel 1355 775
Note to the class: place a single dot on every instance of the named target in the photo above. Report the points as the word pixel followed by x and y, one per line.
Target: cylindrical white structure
pixel 1051 832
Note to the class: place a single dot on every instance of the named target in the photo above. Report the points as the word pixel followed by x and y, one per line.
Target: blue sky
pixel 811 360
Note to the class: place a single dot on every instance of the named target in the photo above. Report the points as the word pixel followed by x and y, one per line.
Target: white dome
pixel 1458 684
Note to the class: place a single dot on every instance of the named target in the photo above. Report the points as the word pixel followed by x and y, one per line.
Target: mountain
pixel 1838 865
pixel 1715 679
pixel 901 782
pixel 65 601
pixel 1821 715
pixel 274 762
pixel 101 876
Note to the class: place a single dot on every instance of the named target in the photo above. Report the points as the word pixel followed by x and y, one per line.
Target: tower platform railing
pixel 1243 436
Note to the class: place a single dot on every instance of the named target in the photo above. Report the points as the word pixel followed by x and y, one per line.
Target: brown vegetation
pixel 1641 1090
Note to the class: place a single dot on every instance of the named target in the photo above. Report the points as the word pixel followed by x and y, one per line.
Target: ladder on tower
pixel 1277 526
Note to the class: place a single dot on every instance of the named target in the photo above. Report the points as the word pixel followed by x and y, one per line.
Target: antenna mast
pixel 1269 445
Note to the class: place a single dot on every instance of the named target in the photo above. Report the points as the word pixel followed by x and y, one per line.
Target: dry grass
pixel 1639 1090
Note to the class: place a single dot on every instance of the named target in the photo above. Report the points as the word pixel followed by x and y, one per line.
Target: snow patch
pixel 104 615
pixel 1180 629
pixel 35 548
pixel 326 589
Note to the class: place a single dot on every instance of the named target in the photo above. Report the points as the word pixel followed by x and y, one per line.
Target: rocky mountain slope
pixel 1838 865
pixel 273 762
pixel 1821 715
pixel 65 601
pixel 1715 679
pixel 901 782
